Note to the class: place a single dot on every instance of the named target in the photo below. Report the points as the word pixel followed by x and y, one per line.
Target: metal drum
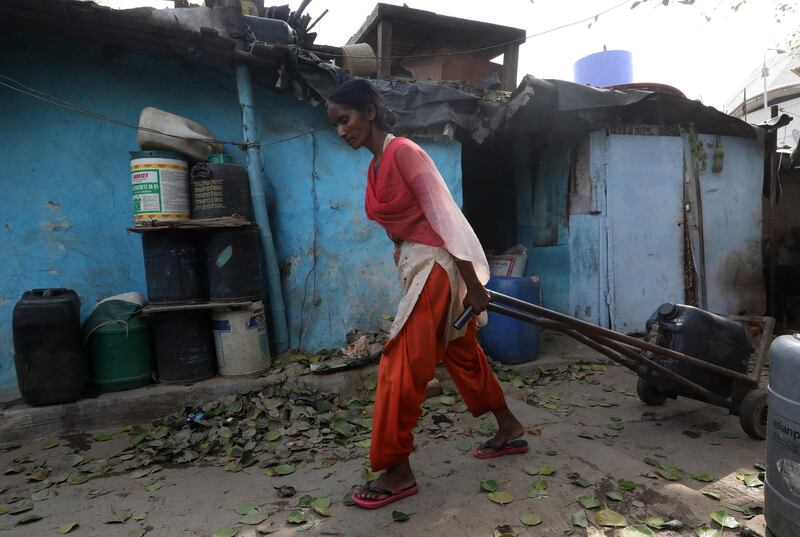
pixel 184 346
pixel 234 264
pixel 173 267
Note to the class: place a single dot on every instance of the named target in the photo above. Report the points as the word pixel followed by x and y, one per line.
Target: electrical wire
pixel 304 328
pixel 19 87
pixel 519 40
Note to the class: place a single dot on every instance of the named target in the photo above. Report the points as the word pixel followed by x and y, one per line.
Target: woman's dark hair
pixel 358 94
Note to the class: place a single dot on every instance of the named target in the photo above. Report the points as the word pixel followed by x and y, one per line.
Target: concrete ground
pixel 569 421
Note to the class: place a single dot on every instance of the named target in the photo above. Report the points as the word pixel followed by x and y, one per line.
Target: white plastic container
pixel 187 137
pixel 240 336
pixel 510 264
pixel 160 186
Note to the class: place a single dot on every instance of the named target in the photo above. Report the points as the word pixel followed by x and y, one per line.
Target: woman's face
pixel 352 126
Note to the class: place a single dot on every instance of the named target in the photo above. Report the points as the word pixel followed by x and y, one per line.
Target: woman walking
pixel 442 269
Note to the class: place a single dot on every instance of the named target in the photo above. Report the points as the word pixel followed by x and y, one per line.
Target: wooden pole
pixel 384 48
pixel 510 61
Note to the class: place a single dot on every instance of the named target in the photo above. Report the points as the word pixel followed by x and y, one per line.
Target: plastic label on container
pixel 786 434
pixel 208 194
pixel 256 322
pixel 507 265
pixel 146 188
pixel 159 190
pixel 222 325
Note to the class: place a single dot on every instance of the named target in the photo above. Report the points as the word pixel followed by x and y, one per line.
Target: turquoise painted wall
pixel 635 169
pixel 66 195
pixel 548 254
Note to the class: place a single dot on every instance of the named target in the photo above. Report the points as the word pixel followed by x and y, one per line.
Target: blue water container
pixel 508 340
pixel 606 68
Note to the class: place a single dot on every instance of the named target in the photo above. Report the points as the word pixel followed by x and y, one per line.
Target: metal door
pixel 644 211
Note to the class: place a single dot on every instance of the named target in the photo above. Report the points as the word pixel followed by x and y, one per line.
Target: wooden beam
pixel 361 35
pixel 384 48
pixel 510 61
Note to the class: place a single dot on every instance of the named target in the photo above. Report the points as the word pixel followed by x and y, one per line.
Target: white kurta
pixel 414 265
pixel 415 261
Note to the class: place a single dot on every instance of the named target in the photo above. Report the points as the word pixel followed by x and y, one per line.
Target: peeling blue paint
pixel 732 221
pixel 548 253
pixel 626 254
pixel 66 201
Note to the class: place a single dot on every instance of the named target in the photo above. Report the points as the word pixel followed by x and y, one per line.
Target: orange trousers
pixel 409 363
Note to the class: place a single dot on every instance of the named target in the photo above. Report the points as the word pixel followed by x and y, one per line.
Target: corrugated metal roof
pixel 781 73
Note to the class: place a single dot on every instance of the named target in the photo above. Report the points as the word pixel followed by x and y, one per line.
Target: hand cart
pixel 747 400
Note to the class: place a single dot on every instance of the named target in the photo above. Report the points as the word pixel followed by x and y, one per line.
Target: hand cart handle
pixel 464 318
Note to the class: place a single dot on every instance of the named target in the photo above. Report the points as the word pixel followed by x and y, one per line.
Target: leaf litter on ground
pixel 609 518
pixel 29 519
pixel 589 502
pixel 489 485
pixel 399 516
pixel 102 437
pixel 50 443
pixel 253 518
pixel 637 530
pixel 267 427
pixel 750 481
pixel 502 498
pixel 667 471
pixel 724 519
pixel 579 481
pixel 297 517
pixel 579 519
pixel 530 519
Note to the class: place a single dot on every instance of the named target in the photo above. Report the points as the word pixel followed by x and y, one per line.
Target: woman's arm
pixel 477 296
pixel 421 175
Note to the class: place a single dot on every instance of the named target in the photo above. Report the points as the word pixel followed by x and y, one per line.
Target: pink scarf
pixel 409 198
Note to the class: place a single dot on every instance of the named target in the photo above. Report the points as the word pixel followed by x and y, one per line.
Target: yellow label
pixel 148 217
pixel 162 166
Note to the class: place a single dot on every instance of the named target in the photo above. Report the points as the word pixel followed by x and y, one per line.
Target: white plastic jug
pixel 194 138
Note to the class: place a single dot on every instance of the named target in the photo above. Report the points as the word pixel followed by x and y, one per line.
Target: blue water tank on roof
pixel 605 68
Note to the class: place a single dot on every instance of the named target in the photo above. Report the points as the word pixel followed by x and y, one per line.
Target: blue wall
pixel 732 222
pixel 609 247
pixel 66 195
pixel 541 178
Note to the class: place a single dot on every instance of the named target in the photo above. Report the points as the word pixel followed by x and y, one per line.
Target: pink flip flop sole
pixel 514 447
pixel 376 504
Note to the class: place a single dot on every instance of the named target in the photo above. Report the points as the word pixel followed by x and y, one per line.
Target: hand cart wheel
pixel 753 414
pixel 650 393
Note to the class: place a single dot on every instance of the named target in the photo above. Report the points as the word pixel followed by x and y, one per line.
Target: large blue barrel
pixel 508 340
pixel 605 68
pixel 782 488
